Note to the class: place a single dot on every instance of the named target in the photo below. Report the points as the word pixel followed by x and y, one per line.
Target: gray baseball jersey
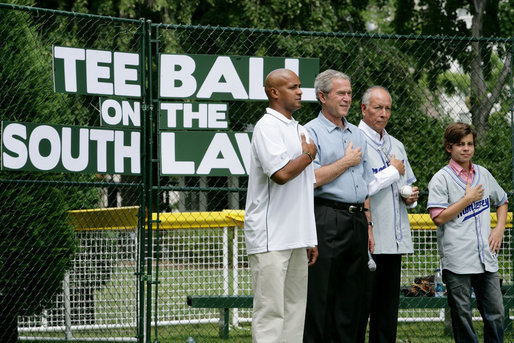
pixel 463 242
pixel 391 227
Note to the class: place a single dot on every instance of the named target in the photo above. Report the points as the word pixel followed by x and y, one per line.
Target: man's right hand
pixel 353 156
pixel 398 164
pixel 474 193
pixel 308 147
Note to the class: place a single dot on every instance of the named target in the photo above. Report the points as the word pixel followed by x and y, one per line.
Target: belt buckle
pixel 352 209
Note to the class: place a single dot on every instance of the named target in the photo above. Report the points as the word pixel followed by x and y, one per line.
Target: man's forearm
pixel 501 216
pixel 452 211
pixel 330 172
pixel 292 169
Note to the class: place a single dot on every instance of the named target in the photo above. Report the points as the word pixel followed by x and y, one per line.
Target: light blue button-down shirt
pixel 331 142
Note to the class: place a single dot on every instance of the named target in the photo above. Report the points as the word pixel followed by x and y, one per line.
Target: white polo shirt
pixel 278 217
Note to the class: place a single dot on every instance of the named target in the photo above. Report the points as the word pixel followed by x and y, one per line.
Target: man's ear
pixel 321 96
pixel 448 148
pixel 274 93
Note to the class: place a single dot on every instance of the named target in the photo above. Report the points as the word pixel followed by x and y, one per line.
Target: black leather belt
pixel 351 208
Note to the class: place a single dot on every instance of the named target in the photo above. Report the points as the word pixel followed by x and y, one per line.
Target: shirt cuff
pixel 383 179
pixel 435 211
pixel 414 204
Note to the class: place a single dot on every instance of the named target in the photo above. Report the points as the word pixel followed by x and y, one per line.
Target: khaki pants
pixel 280 295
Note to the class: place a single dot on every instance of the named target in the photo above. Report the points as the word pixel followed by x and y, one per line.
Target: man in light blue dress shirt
pixel 337 281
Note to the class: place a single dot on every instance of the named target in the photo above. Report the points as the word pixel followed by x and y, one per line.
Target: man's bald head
pixel 282 88
pixel 276 79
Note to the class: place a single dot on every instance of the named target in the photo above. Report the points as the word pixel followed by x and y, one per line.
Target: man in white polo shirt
pixel 279 224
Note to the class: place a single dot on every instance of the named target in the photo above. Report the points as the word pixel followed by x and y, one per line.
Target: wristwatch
pixel 310 155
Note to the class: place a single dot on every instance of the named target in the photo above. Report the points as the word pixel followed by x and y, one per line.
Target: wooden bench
pixel 225 302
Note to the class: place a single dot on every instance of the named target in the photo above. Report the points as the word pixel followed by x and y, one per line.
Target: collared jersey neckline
pixel 375 136
pixel 461 172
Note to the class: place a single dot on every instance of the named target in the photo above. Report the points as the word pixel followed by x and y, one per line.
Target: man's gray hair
pixel 323 82
pixel 367 94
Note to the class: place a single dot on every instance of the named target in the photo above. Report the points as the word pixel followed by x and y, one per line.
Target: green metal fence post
pixel 510 291
pixel 148 129
pixel 143 315
pixel 155 161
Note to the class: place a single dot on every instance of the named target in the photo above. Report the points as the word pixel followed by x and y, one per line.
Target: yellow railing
pixel 113 218
pixel 126 218
pixel 422 221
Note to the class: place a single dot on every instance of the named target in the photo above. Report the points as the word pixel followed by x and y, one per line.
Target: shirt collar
pixel 457 168
pixel 279 116
pixel 375 136
pixel 331 126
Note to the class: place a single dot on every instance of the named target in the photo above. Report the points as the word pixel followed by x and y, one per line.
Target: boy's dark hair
pixel 455 132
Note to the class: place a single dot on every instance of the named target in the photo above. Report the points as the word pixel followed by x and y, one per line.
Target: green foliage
pixel 37 244
pixel 335 15
pixel 435 17
pixel 36 248
pixel 506 10
pixel 494 152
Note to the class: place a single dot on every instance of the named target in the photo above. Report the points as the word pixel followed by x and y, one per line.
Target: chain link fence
pixel 106 256
pixel 64 275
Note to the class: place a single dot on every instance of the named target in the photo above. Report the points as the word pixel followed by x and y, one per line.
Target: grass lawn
pixel 116 303
pixel 430 332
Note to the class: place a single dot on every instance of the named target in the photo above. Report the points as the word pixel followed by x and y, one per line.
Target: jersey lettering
pixel 476 208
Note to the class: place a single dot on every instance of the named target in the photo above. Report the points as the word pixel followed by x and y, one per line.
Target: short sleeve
pixel 496 193
pixel 438 192
pixel 270 148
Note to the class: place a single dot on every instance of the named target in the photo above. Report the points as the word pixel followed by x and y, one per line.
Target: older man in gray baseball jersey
pixel 391 230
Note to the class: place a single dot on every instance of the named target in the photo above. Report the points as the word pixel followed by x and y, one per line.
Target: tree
pixel 328 16
pixel 36 249
pixel 483 99
pixel 37 243
pixel 436 17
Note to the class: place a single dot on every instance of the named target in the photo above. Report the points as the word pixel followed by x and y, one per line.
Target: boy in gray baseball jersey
pixel 459 201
